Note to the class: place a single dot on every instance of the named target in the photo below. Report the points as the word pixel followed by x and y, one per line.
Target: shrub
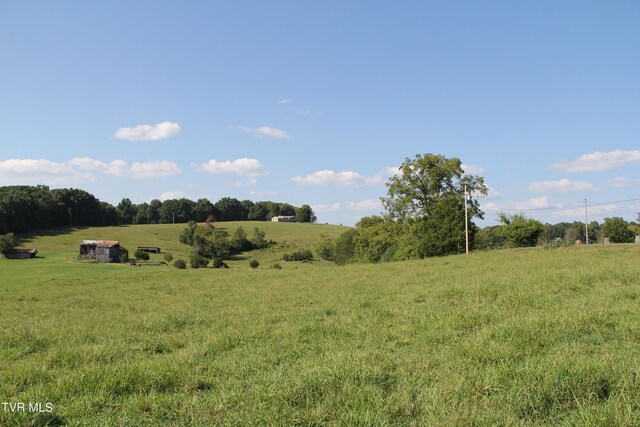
pixel 138 254
pixel 7 244
pixel 326 249
pixel 219 263
pixel 180 264
pixel 276 266
pixel 304 255
pixel 254 263
pixel 197 261
pixel 168 258
pixel 124 255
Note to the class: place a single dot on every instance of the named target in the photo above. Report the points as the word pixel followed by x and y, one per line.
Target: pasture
pixel 514 337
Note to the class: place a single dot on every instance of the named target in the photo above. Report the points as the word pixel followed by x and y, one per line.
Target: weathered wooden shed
pixel 101 250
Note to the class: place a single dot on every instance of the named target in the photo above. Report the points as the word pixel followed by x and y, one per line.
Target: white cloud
pixel 242 167
pixel 267 131
pixel 137 170
pixel 392 170
pixel 170 195
pixel 320 208
pixel 365 205
pixel 599 161
pixel 534 203
pixel 559 186
pixel 241 184
pixel 472 169
pixel 578 212
pixel 619 182
pixel 338 179
pixel 22 171
pixel 148 132
pixel 285 101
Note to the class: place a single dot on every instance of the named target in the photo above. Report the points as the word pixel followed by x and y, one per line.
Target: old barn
pixel 101 250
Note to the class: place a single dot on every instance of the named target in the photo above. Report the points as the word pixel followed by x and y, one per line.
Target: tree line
pixel 425 216
pixel 26 208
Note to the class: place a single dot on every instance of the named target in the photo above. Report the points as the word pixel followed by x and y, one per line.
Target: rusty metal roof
pixel 103 243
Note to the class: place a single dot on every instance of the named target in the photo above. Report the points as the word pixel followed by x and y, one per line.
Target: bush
pixel 124 255
pixel 219 263
pixel 305 255
pixel 276 266
pixel 7 244
pixel 254 263
pixel 180 264
pixel 326 249
pixel 197 261
pixel 168 258
pixel 141 255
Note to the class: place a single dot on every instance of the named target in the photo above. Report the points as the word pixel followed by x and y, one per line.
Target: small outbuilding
pixel 149 249
pixel 22 254
pixel 101 250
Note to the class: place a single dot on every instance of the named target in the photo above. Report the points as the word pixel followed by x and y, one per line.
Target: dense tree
pixel 490 238
pixel 229 209
pixel 203 208
pixel 246 208
pixel 305 214
pixel 345 246
pixel 126 211
pixel 7 244
pixel 422 181
pixel 259 212
pixel 616 229
pixel 141 214
pixel 443 231
pixel 519 230
pixel 153 211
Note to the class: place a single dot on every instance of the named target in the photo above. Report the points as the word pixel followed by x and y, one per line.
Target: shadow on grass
pixel 55 231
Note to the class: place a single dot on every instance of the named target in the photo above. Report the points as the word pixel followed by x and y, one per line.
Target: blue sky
pixel 317 102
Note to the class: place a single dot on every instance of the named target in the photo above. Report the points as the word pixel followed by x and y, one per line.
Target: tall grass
pixel 520 337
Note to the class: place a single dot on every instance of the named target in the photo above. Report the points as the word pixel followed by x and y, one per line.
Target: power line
pixel 561 208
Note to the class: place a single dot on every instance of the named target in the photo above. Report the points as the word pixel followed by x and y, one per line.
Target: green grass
pixel 519 337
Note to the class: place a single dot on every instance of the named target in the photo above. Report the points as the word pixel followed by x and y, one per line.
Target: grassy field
pixel 517 337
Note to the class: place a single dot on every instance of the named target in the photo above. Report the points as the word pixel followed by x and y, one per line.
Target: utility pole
pixel 586 222
pixel 173 217
pixel 466 221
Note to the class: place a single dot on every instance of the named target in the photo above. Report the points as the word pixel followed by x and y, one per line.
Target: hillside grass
pixel 516 337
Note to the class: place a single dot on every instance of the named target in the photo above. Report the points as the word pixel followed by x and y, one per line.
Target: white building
pixel 283 218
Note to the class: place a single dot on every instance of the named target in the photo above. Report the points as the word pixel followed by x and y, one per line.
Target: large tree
pixel 426 179
pixel 616 229
pixel 519 230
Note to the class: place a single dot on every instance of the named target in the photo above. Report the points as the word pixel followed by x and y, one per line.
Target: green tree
pixel 7 244
pixel 616 229
pixel 346 246
pixel 126 211
pixel 519 230
pixel 202 209
pixel 153 211
pixel 186 236
pixel 259 212
pixel 239 241
pixel 304 214
pixel 443 231
pixel 422 181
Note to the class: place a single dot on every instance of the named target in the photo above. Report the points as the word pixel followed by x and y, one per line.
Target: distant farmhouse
pixel 101 250
pixel 283 218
